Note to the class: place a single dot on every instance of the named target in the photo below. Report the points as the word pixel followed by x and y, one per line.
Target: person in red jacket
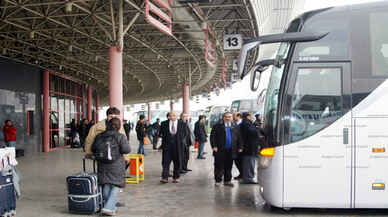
pixel 9 132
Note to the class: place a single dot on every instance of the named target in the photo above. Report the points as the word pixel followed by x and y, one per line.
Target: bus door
pixel 371 166
pixel 317 136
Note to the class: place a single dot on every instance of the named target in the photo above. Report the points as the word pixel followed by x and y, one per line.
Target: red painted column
pixel 46 112
pixel 171 105
pixel 186 98
pixel 97 107
pixel 116 79
pixel 90 102
pixel 149 112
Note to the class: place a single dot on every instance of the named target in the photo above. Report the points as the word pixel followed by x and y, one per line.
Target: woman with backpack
pixel 108 149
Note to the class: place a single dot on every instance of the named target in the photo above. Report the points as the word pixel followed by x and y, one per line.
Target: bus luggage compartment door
pixel 370 160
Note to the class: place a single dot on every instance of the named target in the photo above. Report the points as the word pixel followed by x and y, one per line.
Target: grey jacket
pixel 114 173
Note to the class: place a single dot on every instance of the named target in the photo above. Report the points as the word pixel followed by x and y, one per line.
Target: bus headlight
pixel 264 162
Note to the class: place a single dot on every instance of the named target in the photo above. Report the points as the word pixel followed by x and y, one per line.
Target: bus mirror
pixel 257 70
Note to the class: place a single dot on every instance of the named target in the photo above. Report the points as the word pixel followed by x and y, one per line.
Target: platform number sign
pixel 232 42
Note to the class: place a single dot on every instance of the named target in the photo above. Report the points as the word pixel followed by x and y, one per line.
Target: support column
pixel 46 112
pixel 171 105
pixel 97 109
pixel 90 102
pixel 116 79
pixel 186 98
pixel 149 112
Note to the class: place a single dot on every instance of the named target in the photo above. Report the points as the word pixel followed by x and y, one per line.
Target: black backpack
pixel 106 148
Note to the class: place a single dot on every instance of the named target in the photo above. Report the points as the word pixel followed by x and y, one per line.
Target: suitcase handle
pixel 84 164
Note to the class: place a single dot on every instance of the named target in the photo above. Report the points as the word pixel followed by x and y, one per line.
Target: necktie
pixel 173 128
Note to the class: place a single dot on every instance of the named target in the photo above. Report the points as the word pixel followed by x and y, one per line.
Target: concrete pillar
pixel 149 111
pixel 186 98
pixel 90 103
pixel 116 79
pixel 97 109
pixel 46 112
pixel 171 105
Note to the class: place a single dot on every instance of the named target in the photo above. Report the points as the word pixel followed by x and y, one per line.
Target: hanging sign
pixel 210 51
pixel 232 42
pixel 158 14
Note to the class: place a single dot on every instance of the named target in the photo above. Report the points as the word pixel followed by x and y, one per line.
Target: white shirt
pixel 175 125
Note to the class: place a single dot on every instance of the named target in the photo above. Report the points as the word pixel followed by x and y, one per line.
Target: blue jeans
pixel 200 149
pixel 140 150
pixel 11 144
pixel 110 194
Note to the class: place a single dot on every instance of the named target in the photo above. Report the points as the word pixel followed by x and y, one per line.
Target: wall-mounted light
pixel 4 51
pixel 60 67
pixel 70 48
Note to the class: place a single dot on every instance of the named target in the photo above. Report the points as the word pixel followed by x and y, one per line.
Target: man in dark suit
pixel 174 136
pixel 200 135
pixel 187 144
pixel 226 143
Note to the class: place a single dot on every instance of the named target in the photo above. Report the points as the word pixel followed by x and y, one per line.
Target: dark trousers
pixel 186 157
pixel 170 154
pixel 239 162
pixel 249 168
pixel 155 142
pixel 223 163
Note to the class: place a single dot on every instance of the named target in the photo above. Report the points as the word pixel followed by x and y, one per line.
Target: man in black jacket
pixel 200 135
pixel 155 133
pixel 127 128
pixel 174 136
pixel 187 144
pixel 141 133
pixel 225 140
pixel 251 140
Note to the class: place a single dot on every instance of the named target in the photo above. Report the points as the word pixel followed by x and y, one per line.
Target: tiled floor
pixel 44 191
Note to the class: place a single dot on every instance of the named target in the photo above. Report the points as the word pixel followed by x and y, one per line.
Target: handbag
pixel 145 141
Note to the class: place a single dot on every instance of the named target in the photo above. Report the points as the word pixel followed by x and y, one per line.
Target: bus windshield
pixel 271 102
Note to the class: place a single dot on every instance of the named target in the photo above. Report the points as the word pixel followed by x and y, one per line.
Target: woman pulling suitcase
pixel 108 149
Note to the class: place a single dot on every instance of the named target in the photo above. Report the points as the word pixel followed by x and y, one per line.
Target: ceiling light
pixel 32 34
pixel 4 51
pixel 69 7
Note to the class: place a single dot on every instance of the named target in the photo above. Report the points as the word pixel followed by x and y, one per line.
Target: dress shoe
pixel 119 204
pixel 229 184
pixel 188 170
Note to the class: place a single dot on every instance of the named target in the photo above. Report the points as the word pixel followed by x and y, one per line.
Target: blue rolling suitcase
pixel 84 193
pixel 7 193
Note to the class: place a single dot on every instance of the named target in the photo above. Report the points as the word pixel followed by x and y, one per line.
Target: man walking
pixel 251 141
pixel 200 135
pixel 239 160
pixel 155 134
pixel 127 128
pixel 173 135
pixel 225 140
pixel 187 144
pixel 141 133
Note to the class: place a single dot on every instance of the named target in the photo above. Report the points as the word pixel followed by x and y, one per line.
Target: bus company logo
pixel 308 59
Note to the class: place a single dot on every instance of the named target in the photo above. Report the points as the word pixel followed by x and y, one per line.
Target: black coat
pixel 140 130
pixel 156 127
pixel 251 138
pixel 200 132
pixel 182 137
pixel 114 173
pixel 218 138
pixel 127 128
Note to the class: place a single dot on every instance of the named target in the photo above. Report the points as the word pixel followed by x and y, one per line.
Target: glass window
pixel 379 43
pixel 316 101
pixel 271 102
pixel 53 83
pixel 54 102
pixel 235 106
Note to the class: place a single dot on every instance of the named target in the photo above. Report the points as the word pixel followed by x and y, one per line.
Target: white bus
pixel 326 110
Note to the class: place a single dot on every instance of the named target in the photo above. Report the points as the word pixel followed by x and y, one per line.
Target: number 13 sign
pixel 232 42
